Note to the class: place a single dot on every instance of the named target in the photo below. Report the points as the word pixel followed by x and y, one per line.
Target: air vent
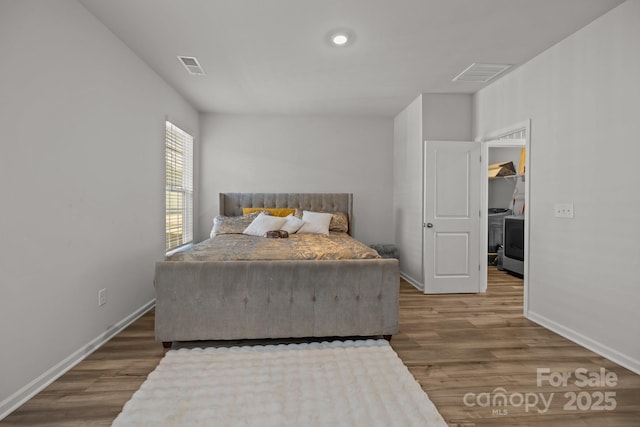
pixel 481 73
pixel 192 65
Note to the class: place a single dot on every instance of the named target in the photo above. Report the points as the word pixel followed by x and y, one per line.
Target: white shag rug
pixel 340 383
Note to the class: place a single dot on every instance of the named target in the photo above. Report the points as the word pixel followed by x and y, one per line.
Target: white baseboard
pixel 416 284
pixel 18 398
pixel 603 350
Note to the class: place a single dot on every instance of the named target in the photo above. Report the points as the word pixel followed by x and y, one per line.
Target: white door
pixel 452 217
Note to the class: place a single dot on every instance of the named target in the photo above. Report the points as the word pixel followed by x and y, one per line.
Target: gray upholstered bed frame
pixel 230 300
pixel 231 204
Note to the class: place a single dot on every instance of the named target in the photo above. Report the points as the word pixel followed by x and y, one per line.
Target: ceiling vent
pixel 192 65
pixel 481 73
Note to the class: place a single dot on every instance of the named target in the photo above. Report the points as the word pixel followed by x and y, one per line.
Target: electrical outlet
pixel 102 297
pixel 563 210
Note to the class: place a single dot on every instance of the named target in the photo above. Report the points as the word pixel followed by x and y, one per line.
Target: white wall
pixel 582 96
pixel 301 154
pixel 82 167
pixel 446 117
pixel 407 190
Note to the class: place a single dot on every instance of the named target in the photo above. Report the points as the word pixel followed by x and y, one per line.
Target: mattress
pixel 240 247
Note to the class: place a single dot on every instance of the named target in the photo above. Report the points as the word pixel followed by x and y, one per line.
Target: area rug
pixel 339 383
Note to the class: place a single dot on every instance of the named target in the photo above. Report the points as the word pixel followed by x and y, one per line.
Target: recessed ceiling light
pixel 340 38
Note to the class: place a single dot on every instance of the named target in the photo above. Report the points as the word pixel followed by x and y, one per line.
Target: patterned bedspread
pixel 239 247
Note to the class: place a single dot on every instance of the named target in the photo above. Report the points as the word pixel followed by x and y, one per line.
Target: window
pixel 179 187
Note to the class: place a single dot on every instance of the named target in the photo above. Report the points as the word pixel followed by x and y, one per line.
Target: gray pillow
pixel 232 224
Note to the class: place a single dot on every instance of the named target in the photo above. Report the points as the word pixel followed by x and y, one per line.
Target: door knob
pixel 429 225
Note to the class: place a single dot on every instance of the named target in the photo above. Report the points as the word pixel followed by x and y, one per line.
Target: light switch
pixel 564 210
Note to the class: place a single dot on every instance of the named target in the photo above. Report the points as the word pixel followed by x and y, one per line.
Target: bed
pixel 204 298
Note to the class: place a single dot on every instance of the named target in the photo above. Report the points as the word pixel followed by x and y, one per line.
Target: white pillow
pixel 315 222
pixel 292 224
pixel 264 223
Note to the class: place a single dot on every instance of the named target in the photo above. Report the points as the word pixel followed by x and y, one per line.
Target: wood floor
pixel 454 345
pixel 457 345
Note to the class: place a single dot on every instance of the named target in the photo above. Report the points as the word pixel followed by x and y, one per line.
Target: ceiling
pixel 273 57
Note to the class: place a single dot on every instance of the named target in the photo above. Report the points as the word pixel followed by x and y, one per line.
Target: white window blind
pixel 179 187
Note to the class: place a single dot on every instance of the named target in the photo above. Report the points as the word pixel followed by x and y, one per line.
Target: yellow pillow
pixel 273 211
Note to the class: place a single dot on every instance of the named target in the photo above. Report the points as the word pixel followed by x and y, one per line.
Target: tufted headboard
pixel 231 204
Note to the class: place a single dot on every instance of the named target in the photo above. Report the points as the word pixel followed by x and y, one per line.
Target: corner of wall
pixel 447 116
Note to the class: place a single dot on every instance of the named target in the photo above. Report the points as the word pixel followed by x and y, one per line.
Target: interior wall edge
pixel 415 283
pixel 603 350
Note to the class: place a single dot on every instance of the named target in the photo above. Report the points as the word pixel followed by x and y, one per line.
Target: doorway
pixel 505 200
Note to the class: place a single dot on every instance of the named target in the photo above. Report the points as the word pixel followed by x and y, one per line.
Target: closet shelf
pixel 515 177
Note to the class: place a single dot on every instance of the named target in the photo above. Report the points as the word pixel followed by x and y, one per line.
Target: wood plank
pixel 452 344
pixel 478 343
